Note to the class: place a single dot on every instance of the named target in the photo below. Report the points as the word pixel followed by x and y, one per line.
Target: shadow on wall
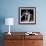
pixel 2 21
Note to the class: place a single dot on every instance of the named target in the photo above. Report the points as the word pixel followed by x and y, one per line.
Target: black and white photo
pixel 27 15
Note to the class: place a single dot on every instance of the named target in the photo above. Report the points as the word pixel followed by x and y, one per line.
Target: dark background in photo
pixel 24 11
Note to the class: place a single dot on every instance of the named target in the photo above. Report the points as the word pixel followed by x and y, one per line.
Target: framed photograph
pixel 27 15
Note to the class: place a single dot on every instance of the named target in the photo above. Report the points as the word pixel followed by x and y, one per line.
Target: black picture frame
pixel 27 15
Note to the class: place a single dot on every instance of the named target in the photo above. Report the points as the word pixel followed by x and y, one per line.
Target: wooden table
pixel 20 39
